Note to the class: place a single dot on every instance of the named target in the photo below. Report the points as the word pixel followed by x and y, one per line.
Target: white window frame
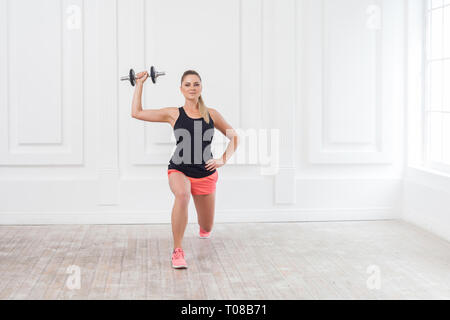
pixel 429 163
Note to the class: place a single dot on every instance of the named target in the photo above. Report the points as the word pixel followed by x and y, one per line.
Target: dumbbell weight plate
pixel 153 74
pixel 132 77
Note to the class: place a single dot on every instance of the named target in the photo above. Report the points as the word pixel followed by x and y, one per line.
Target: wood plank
pixel 231 270
pixel 76 257
pixel 119 249
pixel 283 275
pixel 37 261
pixel 87 259
pixel 19 264
pixel 155 263
pixel 140 289
pixel 56 270
pixel 97 290
pixel 202 251
pixel 10 243
pixel 174 281
pixel 196 288
pixel 129 267
pixel 239 237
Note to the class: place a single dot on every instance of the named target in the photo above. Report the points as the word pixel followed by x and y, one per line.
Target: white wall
pixel 426 201
pixel 329 75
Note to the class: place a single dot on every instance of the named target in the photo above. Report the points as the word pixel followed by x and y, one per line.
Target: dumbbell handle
pixel 157 74
pixel 126 78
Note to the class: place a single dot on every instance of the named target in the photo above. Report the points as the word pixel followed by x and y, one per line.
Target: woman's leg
pixel 205 206
pixel 181 189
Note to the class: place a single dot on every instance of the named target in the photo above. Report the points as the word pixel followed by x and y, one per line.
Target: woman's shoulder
pixel 213 113
pixel 173 112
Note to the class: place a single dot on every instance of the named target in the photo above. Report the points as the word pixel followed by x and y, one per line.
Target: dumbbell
pixel 132 76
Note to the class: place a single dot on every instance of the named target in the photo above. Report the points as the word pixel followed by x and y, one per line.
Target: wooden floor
pixel 252 261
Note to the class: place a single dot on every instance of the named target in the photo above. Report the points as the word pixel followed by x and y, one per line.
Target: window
pixel 437 85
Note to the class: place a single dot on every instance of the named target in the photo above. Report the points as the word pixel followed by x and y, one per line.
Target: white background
pixel 335 77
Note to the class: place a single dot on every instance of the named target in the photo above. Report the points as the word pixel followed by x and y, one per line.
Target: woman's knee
pixel 182 197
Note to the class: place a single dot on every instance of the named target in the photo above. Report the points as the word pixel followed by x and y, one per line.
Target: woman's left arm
pixel 222 125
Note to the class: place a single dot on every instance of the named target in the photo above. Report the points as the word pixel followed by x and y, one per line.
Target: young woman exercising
pixel 192 169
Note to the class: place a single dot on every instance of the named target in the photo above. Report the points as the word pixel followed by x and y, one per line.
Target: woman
pixel 192 169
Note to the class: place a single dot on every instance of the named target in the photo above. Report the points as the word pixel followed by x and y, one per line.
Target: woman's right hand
pixel 141 77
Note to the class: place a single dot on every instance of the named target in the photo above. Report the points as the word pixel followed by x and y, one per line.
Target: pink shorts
pixel 201 186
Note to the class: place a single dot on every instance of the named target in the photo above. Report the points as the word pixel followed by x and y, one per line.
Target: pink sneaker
pixel 203 234
pixel 178 261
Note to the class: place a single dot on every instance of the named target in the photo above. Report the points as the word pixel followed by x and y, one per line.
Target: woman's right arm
pixel 158 115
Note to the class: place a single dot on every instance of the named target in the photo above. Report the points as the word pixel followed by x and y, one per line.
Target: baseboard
pixel 228 216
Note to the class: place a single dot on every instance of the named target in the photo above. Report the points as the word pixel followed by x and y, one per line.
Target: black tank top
pixel 194 138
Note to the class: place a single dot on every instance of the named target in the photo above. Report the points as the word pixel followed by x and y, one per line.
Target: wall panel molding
pixel 279 77
pixel 351 123
pixel 108 141
pixel 54 138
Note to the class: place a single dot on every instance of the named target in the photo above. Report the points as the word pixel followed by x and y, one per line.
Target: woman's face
pixel 191 87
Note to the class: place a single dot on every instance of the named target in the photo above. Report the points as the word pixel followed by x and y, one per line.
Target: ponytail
pixel 203 109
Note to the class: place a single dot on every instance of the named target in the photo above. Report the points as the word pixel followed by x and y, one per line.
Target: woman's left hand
pixel 213 164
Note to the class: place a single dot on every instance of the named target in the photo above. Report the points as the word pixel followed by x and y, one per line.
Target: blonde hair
pixel 201 104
